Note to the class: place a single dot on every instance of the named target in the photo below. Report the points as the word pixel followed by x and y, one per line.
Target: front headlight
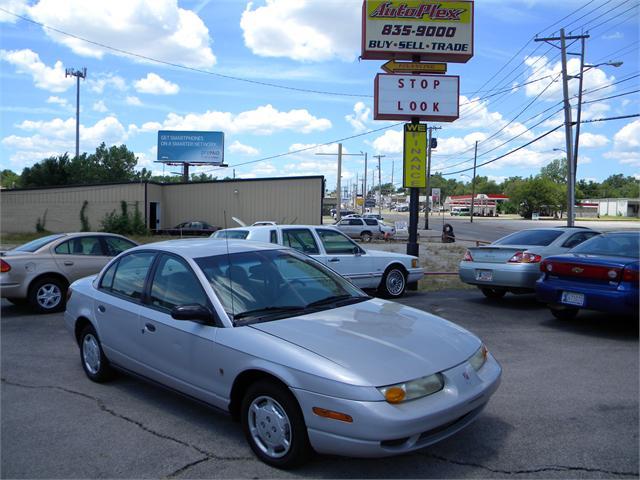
pixel 421 387
pixel 477 359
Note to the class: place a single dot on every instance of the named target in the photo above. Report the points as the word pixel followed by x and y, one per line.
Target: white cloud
pixel 359 118
pixel 613 36
pixel 237 147
pixel 306 30
pixel 590 140
pixel 156 85
pixel 99 106
pixel 47 78
pixel 133 100
pixel 19 7
pixel 264 120
pixel 98 84
pixel 626 145
pixel 57 136
pixel 153 28
pixel 58 101
pixel 389 142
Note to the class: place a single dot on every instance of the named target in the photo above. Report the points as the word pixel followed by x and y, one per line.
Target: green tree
pixel 9 179
pixel 619 186
pixel 51 171
pixel 536 194
pixel 555 170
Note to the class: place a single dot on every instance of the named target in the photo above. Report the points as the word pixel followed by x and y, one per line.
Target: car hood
pixel 381 342
pixel 396 256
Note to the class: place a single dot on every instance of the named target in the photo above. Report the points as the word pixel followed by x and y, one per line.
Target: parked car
pixel 345 213
pixel 302 358
pixel 39 272
pixel 387 272
pixel 377 216
pixel 263 222
pixel 189 229
pixel 364 229
pixel 512 263
pixel 599 274
pixel 402 208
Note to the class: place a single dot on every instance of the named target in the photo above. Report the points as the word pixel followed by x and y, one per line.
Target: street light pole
pixel 339 179
pixel 70 72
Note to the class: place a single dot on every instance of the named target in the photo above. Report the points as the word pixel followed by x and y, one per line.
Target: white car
pixel 387 272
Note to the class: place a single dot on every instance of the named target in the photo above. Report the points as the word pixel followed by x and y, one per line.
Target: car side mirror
pixel 194 313
pixel 357 251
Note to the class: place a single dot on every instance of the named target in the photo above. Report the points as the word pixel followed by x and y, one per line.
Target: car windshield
pixel 617 245
pixel 237 234
pixel 37 244
pixel 540 238
pixel 270 284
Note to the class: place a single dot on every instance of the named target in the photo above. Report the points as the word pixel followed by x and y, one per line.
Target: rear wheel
pixel 365 237
pixel 47 295
pixel 568 313
pixel 274 426
pixel 94 363
pixel 493 293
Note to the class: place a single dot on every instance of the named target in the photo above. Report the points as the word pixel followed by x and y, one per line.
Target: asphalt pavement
pixel 567 407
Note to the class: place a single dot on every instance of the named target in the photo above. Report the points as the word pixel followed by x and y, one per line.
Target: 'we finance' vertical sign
pixel 415 156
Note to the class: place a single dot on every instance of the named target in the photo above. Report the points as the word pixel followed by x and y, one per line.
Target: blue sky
pixel 304 46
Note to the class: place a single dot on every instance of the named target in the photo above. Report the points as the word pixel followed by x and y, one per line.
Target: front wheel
pixel 274 426
pixel 493 293
pixel 394 283
pixel 94 363
pixel 568 313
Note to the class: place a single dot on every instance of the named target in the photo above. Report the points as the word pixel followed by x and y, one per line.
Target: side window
pixel 335 243
pixel 131 273
pixel 577 238
pixel 371 221
pixel 344 222
pixel 300 239
pixel 116 245
pixel 64 248
pixel 81 246
pixel 273 236
pixel 174 284
pixel 355 221
pixel 196 225
pixel 107 278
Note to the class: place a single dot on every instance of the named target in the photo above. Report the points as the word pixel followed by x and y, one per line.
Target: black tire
pixel 47 295
pixel 493 293
pixel 270 409
pixel 365 237
pixel 94 363
pixel 568 313
pixel 394 283
pixel 18 301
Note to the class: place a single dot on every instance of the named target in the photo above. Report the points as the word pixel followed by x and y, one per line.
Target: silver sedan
pixel 301 357
pixel 512 264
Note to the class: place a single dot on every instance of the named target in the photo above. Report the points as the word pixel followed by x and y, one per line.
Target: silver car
pixel 301 357
pixel 39 272
pixel 512 264
pixel 363 228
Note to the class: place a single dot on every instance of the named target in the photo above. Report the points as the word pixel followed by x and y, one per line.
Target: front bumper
pixel 514 275
pixel 382 429
pixel 415 274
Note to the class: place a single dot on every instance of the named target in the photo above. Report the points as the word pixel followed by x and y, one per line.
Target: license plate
pixel 571 298
pixel 484 275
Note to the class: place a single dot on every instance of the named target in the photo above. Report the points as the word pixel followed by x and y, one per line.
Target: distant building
pixel 615 207
pixel 485 204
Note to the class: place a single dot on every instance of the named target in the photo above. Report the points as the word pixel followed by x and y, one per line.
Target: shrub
pixel 41 223
pixel 84 221
pixel 124 223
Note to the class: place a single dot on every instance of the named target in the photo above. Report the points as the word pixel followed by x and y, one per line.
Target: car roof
pixel 271 227
pixel 207 247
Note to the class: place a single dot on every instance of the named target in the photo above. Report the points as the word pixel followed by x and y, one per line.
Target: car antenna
pixel 226 240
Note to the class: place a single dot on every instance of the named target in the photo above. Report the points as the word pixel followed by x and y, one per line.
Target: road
pixel 567 407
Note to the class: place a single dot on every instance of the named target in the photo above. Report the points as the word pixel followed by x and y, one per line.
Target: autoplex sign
pixel 417 30
pixel 415 156
pixel 432 98
pixel 191 147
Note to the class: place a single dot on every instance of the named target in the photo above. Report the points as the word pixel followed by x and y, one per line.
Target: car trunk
pixel 589 270
pixel 496 254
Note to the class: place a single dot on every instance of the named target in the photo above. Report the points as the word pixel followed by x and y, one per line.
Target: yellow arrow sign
pixel 414 67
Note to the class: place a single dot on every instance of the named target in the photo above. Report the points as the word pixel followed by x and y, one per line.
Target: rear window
pixel 539 238
pixel 233 234
pixel 618 245
pixel 37 244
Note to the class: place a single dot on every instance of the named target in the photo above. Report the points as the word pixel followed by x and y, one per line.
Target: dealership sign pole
pixel 419 31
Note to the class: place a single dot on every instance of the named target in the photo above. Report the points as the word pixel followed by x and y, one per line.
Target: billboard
pixel 432 98
pixel 415 156
pixel 417 30
pixel 191 147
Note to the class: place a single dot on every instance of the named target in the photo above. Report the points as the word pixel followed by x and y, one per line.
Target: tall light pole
pixel 70 72
pixel 339 179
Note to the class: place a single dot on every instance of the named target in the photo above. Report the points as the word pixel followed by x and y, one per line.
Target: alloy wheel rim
pixel 270 427
pixel 49 296
pixel 91 353
pixel 395 282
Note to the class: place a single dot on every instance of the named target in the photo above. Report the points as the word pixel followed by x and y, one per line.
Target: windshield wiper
pixel 268 311
pixel 334 299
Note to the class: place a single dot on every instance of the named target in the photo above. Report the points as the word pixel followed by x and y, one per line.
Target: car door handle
pixel 150 327
pixel 101 308
pixel 334 259
pixel 68 263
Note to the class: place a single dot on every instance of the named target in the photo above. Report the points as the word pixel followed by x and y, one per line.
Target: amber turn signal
pixel 323 412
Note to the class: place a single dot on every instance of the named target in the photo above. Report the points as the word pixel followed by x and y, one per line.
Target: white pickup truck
pixel 387 272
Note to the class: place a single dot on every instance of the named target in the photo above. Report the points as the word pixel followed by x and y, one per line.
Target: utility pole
pixel 70 72
pixel 379 184
pixel 568 123
pixel 426 215
pixel 364 185
pixel 473 182
pixel 339 179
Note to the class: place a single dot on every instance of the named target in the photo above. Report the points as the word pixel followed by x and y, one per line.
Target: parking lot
pixel 567 407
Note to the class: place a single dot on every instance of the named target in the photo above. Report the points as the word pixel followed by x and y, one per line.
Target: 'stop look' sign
pixel 405 29
pixel 191 147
